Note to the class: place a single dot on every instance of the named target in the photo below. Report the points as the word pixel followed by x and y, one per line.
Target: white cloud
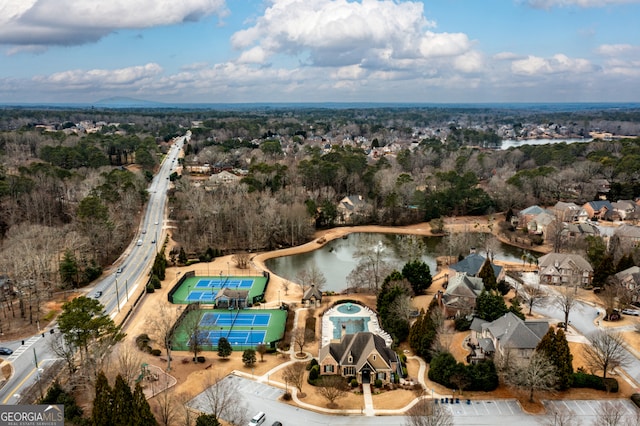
pixel 559 63
pixel 373 33
pixel 118 78
pixel 617 49
pixel 548 4
pixel 72 22
pixel 506 56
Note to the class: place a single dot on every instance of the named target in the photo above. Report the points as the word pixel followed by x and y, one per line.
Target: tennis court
pixel 242 328
pixel 205 289
pixel 210 319
pixel 228 282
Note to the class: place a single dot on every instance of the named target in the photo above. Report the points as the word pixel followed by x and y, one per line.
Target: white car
pixel 633 312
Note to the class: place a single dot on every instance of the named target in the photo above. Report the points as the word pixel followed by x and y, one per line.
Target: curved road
pixel 32 356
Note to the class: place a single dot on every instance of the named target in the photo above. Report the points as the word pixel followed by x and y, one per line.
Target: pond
pixel 336 259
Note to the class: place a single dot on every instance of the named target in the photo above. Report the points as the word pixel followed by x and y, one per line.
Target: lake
pixel 336 259
pixel 512 143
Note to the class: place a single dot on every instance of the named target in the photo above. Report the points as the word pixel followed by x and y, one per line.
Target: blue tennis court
pixel 234 337
pixel 199 296
pixel 225 320
pixel 224 283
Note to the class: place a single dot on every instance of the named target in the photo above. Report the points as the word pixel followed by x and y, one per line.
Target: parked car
pixel 633 312
pixel 5 351
pixel 276 424
pixel 97 294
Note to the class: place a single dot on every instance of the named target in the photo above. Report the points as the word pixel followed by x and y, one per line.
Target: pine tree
pixel 102 404
pixel 490 305
pixel 207 420
pixel 122 403
pixel 249 357
pixel 142 411
pixel 516 309
pixel 488 276
pixel 555 347
pixel 625 262
pixel 604 269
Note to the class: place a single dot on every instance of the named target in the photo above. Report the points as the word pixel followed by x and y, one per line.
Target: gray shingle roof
pixel 472 264
pixel 514 333
pixel 359 346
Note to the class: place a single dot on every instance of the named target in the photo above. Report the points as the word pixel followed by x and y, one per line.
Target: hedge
pixel 591 381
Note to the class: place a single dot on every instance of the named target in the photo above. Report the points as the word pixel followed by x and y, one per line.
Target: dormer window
pixel 374 357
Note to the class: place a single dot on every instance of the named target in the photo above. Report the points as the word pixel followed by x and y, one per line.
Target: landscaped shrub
pixel 591 381
pixel 142 340
pixel 156 352
pixel 378 383
pixel 354 383
pixel 314 374
pixel 150 288
pixel 462 323
pixel 312 363
pixel 286 396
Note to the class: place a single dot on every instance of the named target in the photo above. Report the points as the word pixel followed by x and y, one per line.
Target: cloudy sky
pixel 220 51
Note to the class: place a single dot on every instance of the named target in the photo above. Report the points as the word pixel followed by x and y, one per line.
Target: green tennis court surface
pixel 205 289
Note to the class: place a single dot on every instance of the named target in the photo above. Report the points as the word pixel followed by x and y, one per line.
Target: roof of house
pixel 514 333
pixel 599 204
pixel 476 324
pixel 559 261
pixel 231 293
pixel 472 264
pixel 460 289
pixel 634 270
pixel 532 210
pixel 350 202
pixel 312 292
pixel 628 231
pixel 360 346
pixel 561 206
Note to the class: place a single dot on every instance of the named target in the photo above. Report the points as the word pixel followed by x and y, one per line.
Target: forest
pixel 73 182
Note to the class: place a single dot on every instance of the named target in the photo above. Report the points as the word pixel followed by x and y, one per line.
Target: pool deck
pixel 339 311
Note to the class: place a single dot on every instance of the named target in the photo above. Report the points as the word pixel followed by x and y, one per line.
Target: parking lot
pixel 262 397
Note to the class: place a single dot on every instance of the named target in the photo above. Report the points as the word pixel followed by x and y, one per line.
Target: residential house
pixel 524 216
pixel 575 231
pixel 224 178
pixel 538 224
pixel 460 296
pixel 506 335
pixel 630 280
pixel 564 269
pixel 566 212
pixel 351 208
pixel 629 235
pixel 597 209
pixel 472 264
pixel 312 297
pixel 362 355
pixel 625 209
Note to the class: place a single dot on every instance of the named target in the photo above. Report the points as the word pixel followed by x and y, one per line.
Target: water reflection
pixel 336 259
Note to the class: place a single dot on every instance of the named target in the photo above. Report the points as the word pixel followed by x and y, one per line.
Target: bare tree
pixel 64 350
pixel 372 264
pixel 300 337
pixel 223 399
pixel 535 374
pixel 197 338
pixel 165 407
pixel 241 260
pixel 285 286
pixel 565 300
pixel 311 277
pixel 261 348
pixel 559 417
pixel 614 413
pixel 331 388
pixel 128 362
pixel 533 296
pixel 605 352
pixel 294 374
pixel 426 413
pixel 161 326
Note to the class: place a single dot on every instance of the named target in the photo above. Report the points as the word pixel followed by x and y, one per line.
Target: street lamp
pixel 117 295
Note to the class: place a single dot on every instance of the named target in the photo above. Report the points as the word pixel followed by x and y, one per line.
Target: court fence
pixel 182 279
pixel 190 307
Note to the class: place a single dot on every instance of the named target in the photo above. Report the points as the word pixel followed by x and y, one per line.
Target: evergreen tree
pixel 555 347
pixel 207 420
pixel 488 276
pixel 516 309
pixel 224 348
pixel 249 357
pixel 603 271
pixel 625 262
pixel 490 306
pixel 69 270
pixel 122 403
pixel 418 274
pixel 101 415
pixel 182 256
pixel 57 395
pixel 142 411
pixel 393 287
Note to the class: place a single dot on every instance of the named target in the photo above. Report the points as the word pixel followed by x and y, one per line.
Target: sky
pixel 274 51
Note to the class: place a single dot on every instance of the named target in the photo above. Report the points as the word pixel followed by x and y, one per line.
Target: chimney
pixel 343 331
